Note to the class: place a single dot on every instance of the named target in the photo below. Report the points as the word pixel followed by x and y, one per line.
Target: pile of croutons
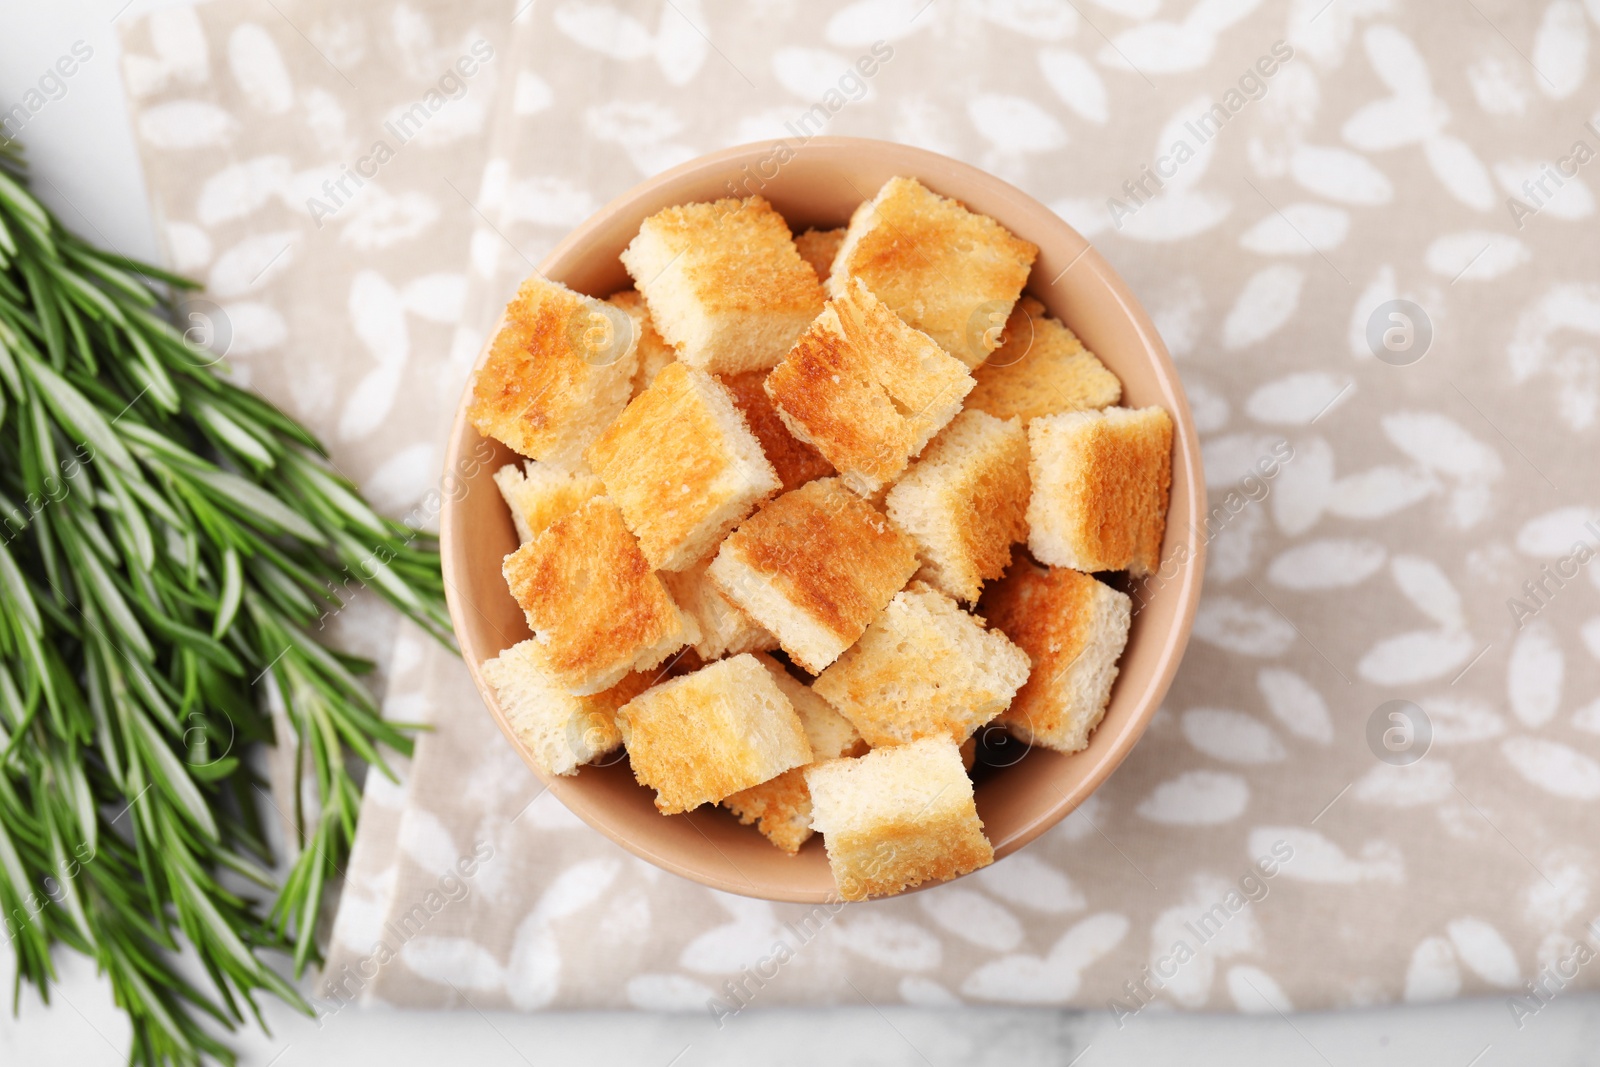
pixel 821 449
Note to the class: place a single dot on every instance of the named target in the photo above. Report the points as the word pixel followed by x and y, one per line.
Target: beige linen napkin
pixel 1270 177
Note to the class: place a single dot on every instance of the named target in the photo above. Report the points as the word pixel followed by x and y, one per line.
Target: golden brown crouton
pixel 1040 369
pixel 795 461
pixel 539 494
pixel 592 601
pixel 1100 487
pixel 704 736
pixel 559 730
pixel 654 352
pixel 867 390
pixel 1075 628
pixel 924 668
pixel 814 567
pixel 725 629
pixel 964 501
pixel 781 808
pixel 818 247
pixel 950 273
pixel 558 371
pixel 682 466
pixel 724 283
pixel 897 817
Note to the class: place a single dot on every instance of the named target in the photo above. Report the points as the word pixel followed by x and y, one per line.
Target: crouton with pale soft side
pixel 781 808
pixel 724 283
pixel 795 461
pixel 1075 629
pixel 560 369
pixel 897 817
pixel 1041 368
pixel 1101 481
pixel 725 628
pixel 702 737
pixel 818 247
pixel 561 731
pixel 594 603
pixel 964 502
pixel 682 466
pixel 814 567
pixel 539 494
pixel 866 390
pixel 924 668
pixel 654 352
pixel 947 271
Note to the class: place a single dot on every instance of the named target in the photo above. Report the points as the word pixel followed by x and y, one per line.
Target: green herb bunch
pixel 168 545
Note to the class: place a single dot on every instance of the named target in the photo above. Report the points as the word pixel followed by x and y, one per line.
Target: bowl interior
pixel 819 184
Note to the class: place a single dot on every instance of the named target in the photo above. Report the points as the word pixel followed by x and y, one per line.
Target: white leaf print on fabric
pixel 1026 880
pixel 1015 124
pixel 1056 977
pixel 1417 656
pixel 1381 491
pixel 186 124
pixel 1535 674
pixel 1318 859
pixel 180 42
pixel 604 29
pixel 1076 82
pixel 1265 304
pixel 455 961
pixel 1174 47
pixel 1569 201
pixel 1442 444
pixel 973 916
pixel 1485 952
pixel 252 264
pixel 435 297
pixel 891 942
pixel 1257 992
pixel 380 219
pixel 1296 704
pixel 1197 798
pixel 926 993
pixel 668 992
pixel 1476 255
pixel 740 943
pixel 1460 170
pixel 241 189
pixel 860 24
pixel 1230 458
pixel 682 40
pixel 809 73
pixel 1231 736
pixel 258 68
pixel 1432 974
pixel 256 327
pixel 1558 533
pixel 1231 624
pixel 1462 720
pixel 1298 399
pixel 1340 175
pixel 1427 782
pixel 1039 20
pixel 532 94
pixel 189 246
pixel 1327 564
pixel 1230 931
pixel 1429 589
pixel 1301 229
pixel 1558 769
pixel 1561 49
pixel 1304 487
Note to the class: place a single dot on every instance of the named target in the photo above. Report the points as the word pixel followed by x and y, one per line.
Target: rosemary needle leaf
pixel 170 548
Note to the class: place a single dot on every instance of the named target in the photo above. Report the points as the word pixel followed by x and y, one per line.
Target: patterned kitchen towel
pixel 1367 236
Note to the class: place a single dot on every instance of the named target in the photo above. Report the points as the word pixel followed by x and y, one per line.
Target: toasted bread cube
pixel 558 372
pixel 724 283
pixel 924 668
pixel 818 247
pixel 1074 628
pixel 781 808
pixel 795 461
pixel 683 467
pixel 964 502
pixel 867 390
pixel 539 494
pixel 814 567
pixel 561 731
pixel 950 273
pixel 1101 481
pixel 593 602
pixel 725 629
pixel 705 736
pixel 1041 368
pixel 654 352
pixel 897 817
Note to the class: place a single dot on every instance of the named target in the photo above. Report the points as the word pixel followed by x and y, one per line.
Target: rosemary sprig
pixel 169 547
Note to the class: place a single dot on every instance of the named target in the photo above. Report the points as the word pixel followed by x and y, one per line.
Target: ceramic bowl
pixel 819 186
